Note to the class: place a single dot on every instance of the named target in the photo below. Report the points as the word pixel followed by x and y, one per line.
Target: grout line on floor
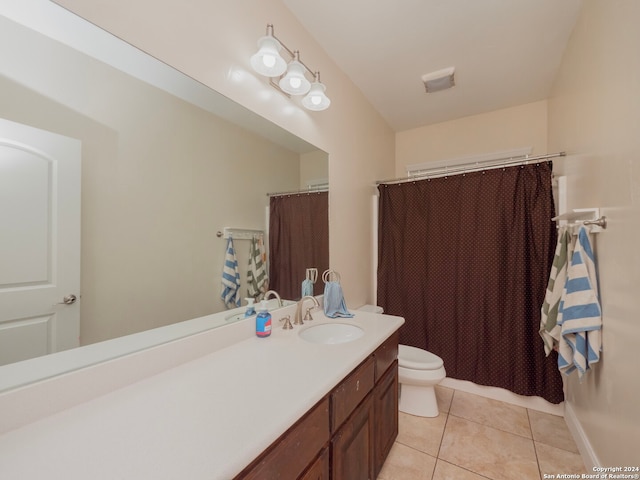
pixel 446 421
pixel 414 449
pixel 495 428
pixel 463 468
pixel 535 450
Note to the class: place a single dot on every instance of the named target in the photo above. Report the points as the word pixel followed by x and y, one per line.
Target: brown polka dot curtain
pixel 465 259
pixel 298 239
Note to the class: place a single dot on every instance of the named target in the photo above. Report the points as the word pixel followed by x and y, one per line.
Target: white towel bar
pixel 239 233
pixel 586 216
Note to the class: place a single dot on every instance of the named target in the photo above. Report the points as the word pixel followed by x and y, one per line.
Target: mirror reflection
pixel 159 176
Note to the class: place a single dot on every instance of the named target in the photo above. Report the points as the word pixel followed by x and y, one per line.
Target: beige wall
pixel 159 178
pixel 594 114
pixel 313 168
pixel 500 130
pixel 212 41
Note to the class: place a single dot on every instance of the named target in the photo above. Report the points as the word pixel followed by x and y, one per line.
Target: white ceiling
pixel 506 52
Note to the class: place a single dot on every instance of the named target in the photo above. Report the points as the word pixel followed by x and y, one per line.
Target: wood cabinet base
pixel 347 435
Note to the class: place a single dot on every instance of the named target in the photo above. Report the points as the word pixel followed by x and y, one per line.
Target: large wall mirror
pixel 163 168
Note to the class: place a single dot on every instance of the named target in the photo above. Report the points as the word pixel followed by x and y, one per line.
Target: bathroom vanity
pixel 235 409
pixel 348 434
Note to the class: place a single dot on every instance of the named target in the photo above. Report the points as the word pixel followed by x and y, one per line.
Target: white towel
pixel 230 278
pixel 581 316
pixel 257 280
pixel 550 331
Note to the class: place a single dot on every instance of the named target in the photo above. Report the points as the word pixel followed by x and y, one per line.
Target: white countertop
pixel 204 419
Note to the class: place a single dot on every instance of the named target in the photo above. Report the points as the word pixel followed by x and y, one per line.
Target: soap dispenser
pixel 263 320
pixel 251 310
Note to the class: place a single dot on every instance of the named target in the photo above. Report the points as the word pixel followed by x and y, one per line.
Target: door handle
pixel 68 300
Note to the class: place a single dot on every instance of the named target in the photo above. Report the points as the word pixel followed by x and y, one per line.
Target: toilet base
pixel 418 400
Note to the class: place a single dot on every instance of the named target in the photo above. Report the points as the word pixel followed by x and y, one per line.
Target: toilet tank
pixel 371 309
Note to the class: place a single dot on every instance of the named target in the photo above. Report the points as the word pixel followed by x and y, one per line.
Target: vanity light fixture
pixel 290 76
pixel 267 60
pixel 316 99
pixel 294 82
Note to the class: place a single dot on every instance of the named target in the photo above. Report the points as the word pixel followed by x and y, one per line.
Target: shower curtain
pixel 298 239
pixel 465 259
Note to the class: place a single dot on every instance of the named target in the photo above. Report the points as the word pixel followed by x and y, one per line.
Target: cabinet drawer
pixel 346 396
pixel 386 354
pixel 292 453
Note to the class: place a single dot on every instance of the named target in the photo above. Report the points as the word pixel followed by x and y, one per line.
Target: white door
pixel 39 242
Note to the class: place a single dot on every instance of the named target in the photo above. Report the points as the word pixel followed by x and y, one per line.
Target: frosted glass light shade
pixel 267 61
pixel 294 82
pixel 316 99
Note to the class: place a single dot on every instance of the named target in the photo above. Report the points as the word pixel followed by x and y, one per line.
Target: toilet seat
pixel 418 359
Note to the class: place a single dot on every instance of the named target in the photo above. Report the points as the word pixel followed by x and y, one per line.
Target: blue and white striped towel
pixel 550 331
pixel 230 278
pixel 581 316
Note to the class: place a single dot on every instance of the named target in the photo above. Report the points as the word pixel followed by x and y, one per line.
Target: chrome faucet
pixel 275 294
pixel 297 320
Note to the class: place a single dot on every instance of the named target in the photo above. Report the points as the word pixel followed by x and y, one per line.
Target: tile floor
pixel 477 438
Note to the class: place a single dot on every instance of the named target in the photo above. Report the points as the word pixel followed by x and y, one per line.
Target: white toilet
pixel 419 372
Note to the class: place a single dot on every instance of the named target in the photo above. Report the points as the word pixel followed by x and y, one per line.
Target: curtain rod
pixel 299 192
pixel 471 167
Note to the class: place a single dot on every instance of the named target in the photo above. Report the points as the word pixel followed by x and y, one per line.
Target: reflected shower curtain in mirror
pixel 298 239
pixel 465 259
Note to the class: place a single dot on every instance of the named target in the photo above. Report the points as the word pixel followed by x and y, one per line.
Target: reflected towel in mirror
pixel 230 278
pixel 257 280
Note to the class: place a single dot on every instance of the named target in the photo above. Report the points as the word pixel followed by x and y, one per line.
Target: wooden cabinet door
pixel 385 408
pixel 351 391
pixel 320 468
pixel 292 453
pixel 352 447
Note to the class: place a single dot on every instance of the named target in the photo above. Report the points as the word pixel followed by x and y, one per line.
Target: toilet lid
pixel 418 359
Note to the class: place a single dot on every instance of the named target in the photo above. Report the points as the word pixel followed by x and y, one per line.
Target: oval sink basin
pixel 332 333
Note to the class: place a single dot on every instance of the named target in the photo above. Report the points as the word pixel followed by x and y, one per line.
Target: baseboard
pixel 496 393
pixel 580 437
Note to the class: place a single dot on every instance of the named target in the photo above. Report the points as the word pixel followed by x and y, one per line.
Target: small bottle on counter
pixel 263 320
pixel 251 310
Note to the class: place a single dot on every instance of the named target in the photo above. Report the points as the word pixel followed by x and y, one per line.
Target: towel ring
pixel 330 275
pixel 312 274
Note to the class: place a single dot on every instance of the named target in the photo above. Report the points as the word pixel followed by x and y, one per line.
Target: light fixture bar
pixel 270 46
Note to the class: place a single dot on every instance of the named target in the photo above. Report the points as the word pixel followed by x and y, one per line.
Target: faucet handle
pixel 287 322
pixel 307 316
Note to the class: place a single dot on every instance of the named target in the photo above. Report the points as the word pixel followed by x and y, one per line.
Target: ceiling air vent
pixel 440 80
